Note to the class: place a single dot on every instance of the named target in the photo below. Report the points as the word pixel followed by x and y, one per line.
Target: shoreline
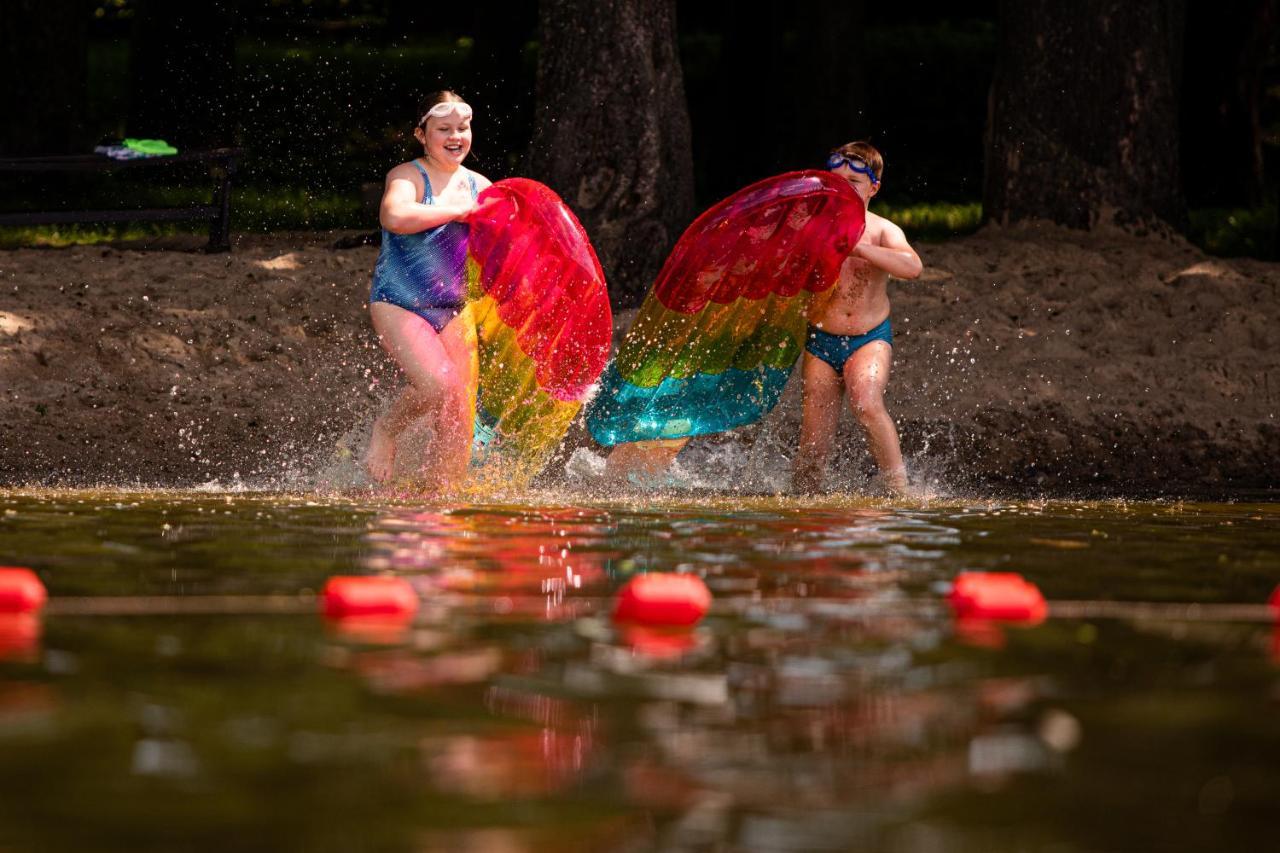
pixel 1028 360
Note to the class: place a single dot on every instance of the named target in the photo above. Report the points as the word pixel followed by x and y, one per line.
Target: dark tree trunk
pixel 44 51
pixel 611 133
pixel 1083 122
pixel 1222 130
pixel 182 64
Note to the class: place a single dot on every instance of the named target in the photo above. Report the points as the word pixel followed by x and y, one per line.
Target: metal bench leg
pixel 220 225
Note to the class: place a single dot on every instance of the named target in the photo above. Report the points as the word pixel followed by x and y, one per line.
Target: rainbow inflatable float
pixel 537 297
pixel 716 338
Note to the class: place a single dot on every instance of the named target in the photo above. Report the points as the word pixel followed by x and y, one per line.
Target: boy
pixel 850 341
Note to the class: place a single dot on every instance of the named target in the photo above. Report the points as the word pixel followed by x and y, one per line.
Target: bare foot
pixel 381 455
pixel 642 460
pixel 896 483
pixel 806 481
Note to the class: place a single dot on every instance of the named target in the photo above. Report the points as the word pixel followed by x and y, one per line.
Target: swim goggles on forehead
pixel 443 109
pixel 855 164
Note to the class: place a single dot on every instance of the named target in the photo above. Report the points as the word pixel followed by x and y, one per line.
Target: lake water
pixel 826 703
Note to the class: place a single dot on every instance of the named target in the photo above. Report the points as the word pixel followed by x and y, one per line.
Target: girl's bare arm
pixel 402 213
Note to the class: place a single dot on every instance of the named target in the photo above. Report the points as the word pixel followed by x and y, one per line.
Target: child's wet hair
pixel 864 151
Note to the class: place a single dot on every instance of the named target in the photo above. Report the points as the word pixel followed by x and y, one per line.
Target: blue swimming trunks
pixel 425 272
pixel 835 350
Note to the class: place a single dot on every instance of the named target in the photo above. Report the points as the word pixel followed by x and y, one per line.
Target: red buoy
pixel 20 590
pixel 1002 596
pixel 1274 601
pixel 663 599
pixel 361 595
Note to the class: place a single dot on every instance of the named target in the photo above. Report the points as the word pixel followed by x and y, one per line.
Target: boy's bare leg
pixel 866 374
pixel 821 415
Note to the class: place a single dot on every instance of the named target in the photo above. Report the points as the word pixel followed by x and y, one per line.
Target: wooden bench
pixel 222 162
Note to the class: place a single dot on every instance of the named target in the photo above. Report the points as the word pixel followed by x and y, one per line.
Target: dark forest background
pixel 642 112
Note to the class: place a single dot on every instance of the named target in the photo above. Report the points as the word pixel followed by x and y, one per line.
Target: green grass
pixel 253 210
pixel 933 221
pixel 1224 232
pixel 1235 232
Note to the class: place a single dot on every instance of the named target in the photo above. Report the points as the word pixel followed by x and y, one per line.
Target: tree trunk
pixel 1083 121
pixel 611 133
pixel 182 65
pixel 44 52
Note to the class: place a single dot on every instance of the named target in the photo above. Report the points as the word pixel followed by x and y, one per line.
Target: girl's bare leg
pixel 440 370
pixel 455 424
pixel 821 415
pixel 866 374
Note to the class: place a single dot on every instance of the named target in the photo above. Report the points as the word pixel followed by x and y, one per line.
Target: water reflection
pixel 19 636
pixel 809 701
pixel 824 703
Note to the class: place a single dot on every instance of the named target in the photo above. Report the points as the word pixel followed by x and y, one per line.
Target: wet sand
pixel 1028 360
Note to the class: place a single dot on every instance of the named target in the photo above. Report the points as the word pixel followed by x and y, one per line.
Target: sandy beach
pixel 1035 360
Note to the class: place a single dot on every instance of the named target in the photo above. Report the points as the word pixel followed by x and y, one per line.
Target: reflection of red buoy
pixel 19 636
pixel 980 633
pixel 663 599
pixel 1274 603
pixel 356 595
pixel 1002 596
pixel 382 630
pixel 659 643
pixel 20 590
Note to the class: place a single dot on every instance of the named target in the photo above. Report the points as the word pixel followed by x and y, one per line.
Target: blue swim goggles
pixel 855 164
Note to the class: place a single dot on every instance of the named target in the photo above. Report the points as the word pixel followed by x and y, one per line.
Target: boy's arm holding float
pixel 893 254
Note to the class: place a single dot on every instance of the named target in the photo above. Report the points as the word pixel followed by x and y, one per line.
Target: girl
pixel 419 288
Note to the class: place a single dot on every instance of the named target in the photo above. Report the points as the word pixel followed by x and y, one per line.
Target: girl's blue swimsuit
pixel 425 272
pixel 835 350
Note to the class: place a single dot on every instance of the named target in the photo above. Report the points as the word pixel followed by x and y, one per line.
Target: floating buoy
pixel 1000 596
pixel 20 590
pixel 663 599
pixel 362 595
pixel 1274 601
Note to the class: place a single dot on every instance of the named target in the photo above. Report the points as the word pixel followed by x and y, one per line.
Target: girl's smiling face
pixel 445 139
